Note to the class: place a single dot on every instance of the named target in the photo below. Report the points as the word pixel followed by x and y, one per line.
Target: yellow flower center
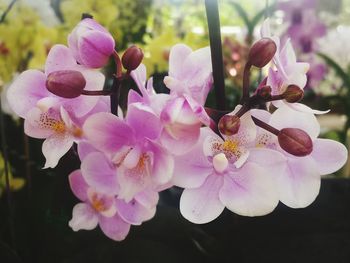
pixel 230 146
pixel 98 203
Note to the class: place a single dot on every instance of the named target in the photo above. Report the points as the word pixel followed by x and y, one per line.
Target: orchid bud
pixel 295 141
pixel 262 52
pixel 229 125
pixel 264 92
pixel 66 83
pixel 91 44
pixel 293 94
pixel 132 58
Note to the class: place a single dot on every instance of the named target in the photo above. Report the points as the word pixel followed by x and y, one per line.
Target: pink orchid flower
pixel 288 71
pixel 30 87
pixel 221 173
pixel 299 183
pixel 91 43
pixel 114 216
pixel 138 161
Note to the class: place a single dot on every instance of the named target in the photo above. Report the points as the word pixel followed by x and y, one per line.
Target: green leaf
pixel 242 13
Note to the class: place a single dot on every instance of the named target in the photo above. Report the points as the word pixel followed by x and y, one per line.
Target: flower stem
pixel 265 126
pixel 212 10
pixel 116 84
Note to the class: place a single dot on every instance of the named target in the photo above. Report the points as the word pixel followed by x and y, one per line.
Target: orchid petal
pixel 202 205
pixel 78 185
pixel 299 185
pixel 55 147
pixel 84 217
pixel 114 227
pixel 249 192
pixel 329 155
pixel 99 173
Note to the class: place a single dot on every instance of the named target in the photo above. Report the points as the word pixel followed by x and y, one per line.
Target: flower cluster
pixel 246 160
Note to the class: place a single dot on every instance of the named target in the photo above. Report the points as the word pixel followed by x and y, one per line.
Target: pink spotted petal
pixel 34 126
pixel 84 218
pixel 55 147
pixel 59 58
pixel 27 89
pixel 114 227
pixel 202 205
pixel 78 185
pixel 249 191
pixel 143 121
pixel 134 213
pixel 107 132
pixel 300 184
pixel 329 155
pixel 285 117
pixel 99 173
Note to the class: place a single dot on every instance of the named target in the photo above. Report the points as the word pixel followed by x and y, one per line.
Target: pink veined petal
pixel 274 162
pixel 285 117
pixel 193 168
pixel 198 110
pixel 163 164
pixel 27 89
pixel 84 217
pixel 143 121
pixel 84 149
pixel 299 185
pixel 303 108
pixel 78 185
pixel 134 97
pixel 134 213
pixel 59 58
pixel 95 47
pixel 139 76
pixel 114 227
pixel 107 132
pixel 147 198
pixel 34 126
pixel 55 147
pixel 180 138
pixel 202 205
pixel 249 191
pixel 197 64
pixel 99 173
pixel 178 54
pixel 172 109
pixel 329 155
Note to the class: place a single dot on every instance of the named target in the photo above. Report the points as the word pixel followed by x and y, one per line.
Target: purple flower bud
pixel 295 141
pixel 229 125
pixel 66 83
pixel 262 52
pixel 91 44
pixel 132 58
pixel 264 92
pixel 293 94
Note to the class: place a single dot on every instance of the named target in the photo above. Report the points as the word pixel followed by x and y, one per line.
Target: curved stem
pixel 212 10
pixel 96 92
pixel 265 126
